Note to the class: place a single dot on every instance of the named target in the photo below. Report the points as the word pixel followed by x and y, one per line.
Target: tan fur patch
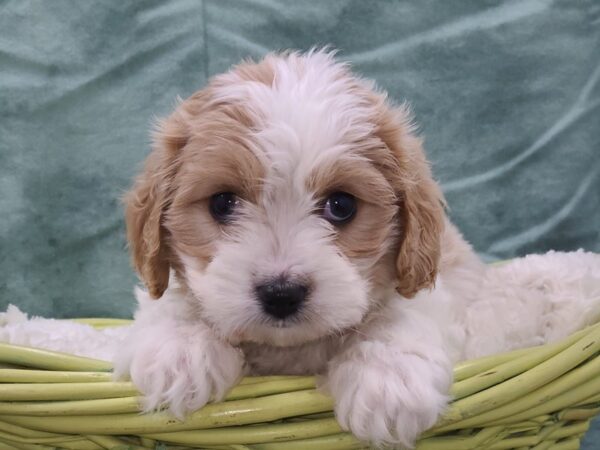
pixel 366 235
pixel 200 150
pixel 261 72
pixel 215 161
pixel 421 203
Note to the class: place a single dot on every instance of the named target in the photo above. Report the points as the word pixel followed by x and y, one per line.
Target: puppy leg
pixel 174 361
pixel 392 383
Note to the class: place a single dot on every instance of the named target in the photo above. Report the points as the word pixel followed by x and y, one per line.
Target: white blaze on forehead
pixel 311 111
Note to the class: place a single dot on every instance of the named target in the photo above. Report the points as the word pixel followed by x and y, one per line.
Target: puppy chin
pixel 278 335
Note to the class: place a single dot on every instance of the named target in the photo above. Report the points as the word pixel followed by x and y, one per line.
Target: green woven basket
pixel 536 398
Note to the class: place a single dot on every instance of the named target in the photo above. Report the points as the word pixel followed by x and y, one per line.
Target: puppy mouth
pixel 283 323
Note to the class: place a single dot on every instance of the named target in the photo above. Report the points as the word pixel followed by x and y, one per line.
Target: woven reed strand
pixel 537 398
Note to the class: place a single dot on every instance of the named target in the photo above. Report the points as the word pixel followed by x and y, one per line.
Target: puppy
pixel 286 222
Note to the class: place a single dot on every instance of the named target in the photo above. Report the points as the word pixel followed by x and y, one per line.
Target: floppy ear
pixel 148 200
pixel 421 218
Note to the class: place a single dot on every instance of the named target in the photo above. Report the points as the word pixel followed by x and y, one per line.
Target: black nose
pixel 281 298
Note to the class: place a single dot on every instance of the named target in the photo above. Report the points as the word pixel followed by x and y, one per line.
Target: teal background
pixel 507 94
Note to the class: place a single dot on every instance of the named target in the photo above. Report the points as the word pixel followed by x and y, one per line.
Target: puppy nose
pixel 280 297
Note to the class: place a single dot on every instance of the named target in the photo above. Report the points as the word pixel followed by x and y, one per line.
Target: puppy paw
pixel 389 404
pixel 179 368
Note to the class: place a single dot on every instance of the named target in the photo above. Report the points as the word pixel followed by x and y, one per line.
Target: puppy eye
pixel 222 206
pixel 339 208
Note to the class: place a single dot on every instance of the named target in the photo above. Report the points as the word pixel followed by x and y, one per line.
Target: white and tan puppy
pixel 287 223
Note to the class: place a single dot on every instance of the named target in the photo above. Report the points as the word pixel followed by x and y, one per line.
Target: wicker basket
pixel 537 398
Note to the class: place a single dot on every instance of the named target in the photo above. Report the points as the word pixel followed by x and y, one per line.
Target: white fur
pixel 175 360
pixel 388 368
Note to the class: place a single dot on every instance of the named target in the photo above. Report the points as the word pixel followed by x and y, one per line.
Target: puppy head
pixel 287 195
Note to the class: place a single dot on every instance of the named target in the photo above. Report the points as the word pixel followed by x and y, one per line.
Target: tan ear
pixel 148 200
pixel 421 218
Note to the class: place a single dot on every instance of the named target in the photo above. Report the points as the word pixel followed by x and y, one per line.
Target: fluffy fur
pixel 397 296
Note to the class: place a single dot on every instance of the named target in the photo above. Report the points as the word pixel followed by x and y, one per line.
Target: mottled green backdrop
pixel 507 94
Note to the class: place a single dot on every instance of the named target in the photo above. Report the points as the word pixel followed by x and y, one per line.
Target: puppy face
pixel 288 198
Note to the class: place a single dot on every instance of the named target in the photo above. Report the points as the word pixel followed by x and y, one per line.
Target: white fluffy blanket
pixel 60 335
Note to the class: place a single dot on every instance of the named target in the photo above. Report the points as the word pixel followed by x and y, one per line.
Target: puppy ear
pixel 148 200
pixel 421 215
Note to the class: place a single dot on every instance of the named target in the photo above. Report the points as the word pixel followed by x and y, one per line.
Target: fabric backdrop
pixel 507 94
